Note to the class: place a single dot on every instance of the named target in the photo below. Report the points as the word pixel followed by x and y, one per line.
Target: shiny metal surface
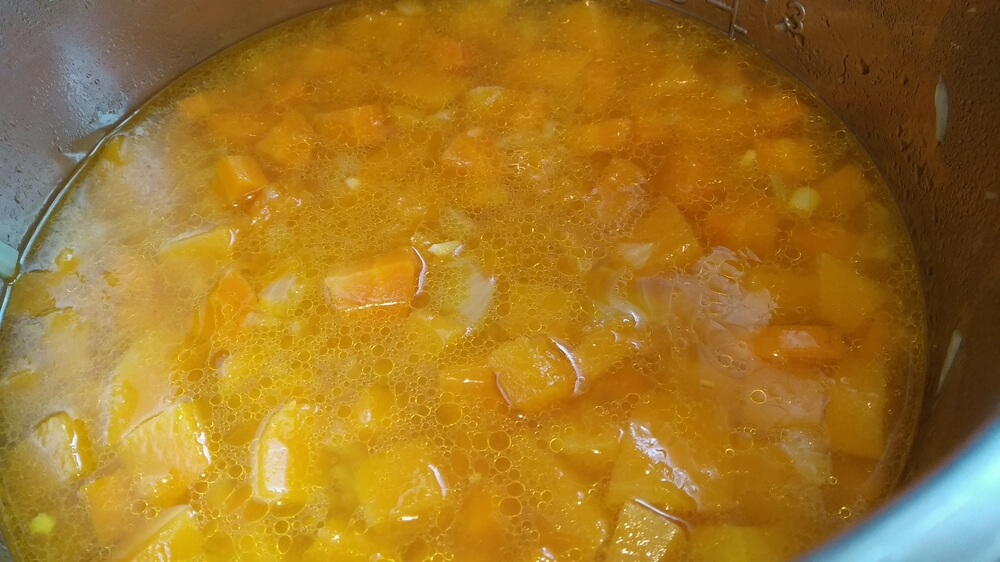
pixel 71 69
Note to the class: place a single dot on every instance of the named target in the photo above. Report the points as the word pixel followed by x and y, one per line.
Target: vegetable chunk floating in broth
pixel 459 280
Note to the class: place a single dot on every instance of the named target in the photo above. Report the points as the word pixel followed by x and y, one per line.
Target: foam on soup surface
pixel 463 281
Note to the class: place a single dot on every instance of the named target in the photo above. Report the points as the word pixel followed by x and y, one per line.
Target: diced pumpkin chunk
pixel 549 68
pixel 642 535
pixel 813 239
pixel 337 540
pixel 618 192
pixel 844 190
pixel 176 537
pixel 232 298
pixel 473 157
pixel 103 498
pixel 66 442
pixel 643 473
pixel 800 343
pixel 601 136
pixel 730 543
pixel 482 525
pixel 469 382
pixel 847 299
pixel 675 242
pixel 402 485
pixel 430 92
pixel 795 295
pixel 289 143
pixel 532 372
pixel 386 280
pixel 737 228
pixel 601 349
pixel 236 177
pixel 140 384
pixel 856 408
pixel 791 157
pixel 282 456
pixel 539 309
pixel 200 255
pixel 572 519
pixel 167 452
pixel 354 126
pixel 688 177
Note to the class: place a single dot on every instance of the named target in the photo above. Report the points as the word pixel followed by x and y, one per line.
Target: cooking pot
pixel 917 80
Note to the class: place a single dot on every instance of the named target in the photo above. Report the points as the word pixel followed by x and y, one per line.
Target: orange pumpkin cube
pixel 847 299
pixel 174 536
pixel 66 443
pixel 289 143
pixel 820 344
pixel 167 453
pixel 601 136
pixel 532 373
pixel 855 409
pixel 403 485
pixel 814 238
pixel 643 535
pixel 236 177
pixel 843 191
pixel 791 157
pixel 739 544
pixel 388 280
pixel 354 126
pixel 738 228
pixel 103 498
pixel 675 243
pixel 282 455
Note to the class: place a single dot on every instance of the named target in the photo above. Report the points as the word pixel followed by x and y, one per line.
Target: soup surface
pixel 483 280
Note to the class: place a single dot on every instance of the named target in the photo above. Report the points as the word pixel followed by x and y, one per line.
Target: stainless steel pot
pixel 919 81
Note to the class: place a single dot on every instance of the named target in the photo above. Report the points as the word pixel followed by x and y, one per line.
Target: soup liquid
pixel 454 280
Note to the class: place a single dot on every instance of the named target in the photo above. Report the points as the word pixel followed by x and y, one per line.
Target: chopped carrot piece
pixel 847 299
pixel 792 157
pixel 844 190
pixel 354 126
pixel 386 280
pixel 532 373
pixel 737 228
pixel 800 343
pixel 289 143
pixel 67 444
pixel 236 177
pixel 813 239
pixel 602 136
